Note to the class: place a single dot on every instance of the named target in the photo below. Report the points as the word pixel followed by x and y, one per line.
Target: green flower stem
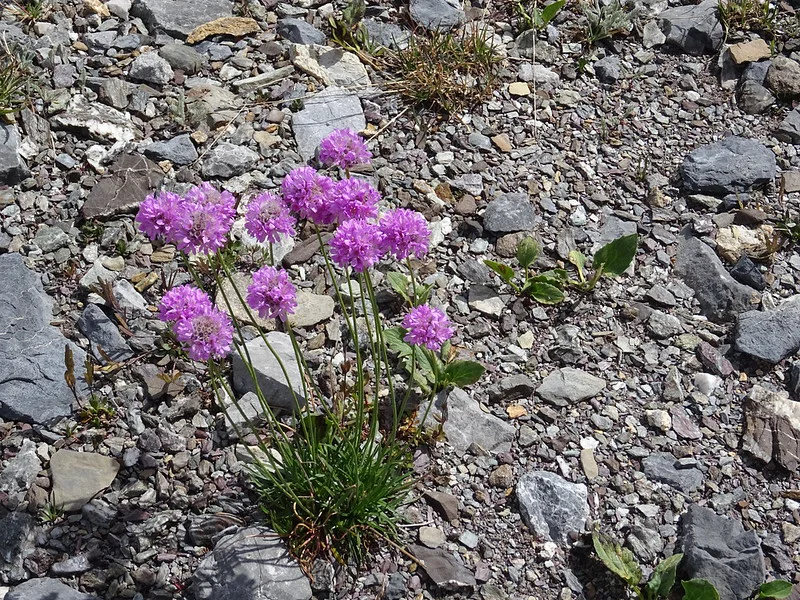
pixel 359 360
pixel 437 375
pixel 334 279
pixel 382 348
pixel 376 357
pixel 413 282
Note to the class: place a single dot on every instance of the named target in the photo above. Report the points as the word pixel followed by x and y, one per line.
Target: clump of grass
pixel 15 80
pixel 29 11
pixel 748 15
pixel 349 31
pixel 604 21
pixel 51 512
pixel 446 72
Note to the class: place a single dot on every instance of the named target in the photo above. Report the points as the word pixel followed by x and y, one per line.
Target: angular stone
pixel 770 335
pixel 21 471
pixel 663 467
pixel 131 179
pixel 719 550
pixel 180 17
pixel 32 386
pixel 720 296
pixel 79 476
pixel 333 108
pixel 435 15
pixel 569 386
pixel 752 51
pixel 97 121
pixel 445 504
pixel 182 57
pixel 754 98
pixel 551 506
pixel 262 80
pixel 772 427
pixel 45 588
pixel 227 160
pixel 485 300
pixel 332 66
pixel 788 130
pixel 298 31
pixel 269 375
pixel 608 69
pixel 783 77
pixel 311 309
pixel 12 168
pixel 50 239
pixel 695 29
pixel 104 335
pixel 228 26
pixel 387 35
pixel 16 543
pixel 730 166
pixel 445 571
pixel 151 68
pixel 203 100
pixel 179 150
pixel 509 213
pixel 252 563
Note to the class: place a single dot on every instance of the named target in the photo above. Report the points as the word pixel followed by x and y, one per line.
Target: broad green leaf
pixel 616 256
pixel 506 273
pixel 699 589
pixel 423 291
pixel 775 589
pixel 550 11
pixel 393 337
pixel 543 293
pixel 559 275
pixel 617 559
pixel 399 283
pixel 663 577
pixel 423 360
pixel 463 372
pixel 577 258
pixel 527 251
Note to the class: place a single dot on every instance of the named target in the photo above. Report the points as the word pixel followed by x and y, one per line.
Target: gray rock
pixel 332 66
pixel 568 386
pixel 32 387
pixel 754 98
pixel 45 588
pixel 695 29
pixel 770 335
pixel 12 169
pixel 16 543
pixel 151 68
pixel 333 108
pixel 645 543
pixel 103 334
pixel 21 471
pixel 204 100
pixel 783 77
pixel 756 72
pixel 720 296
pixel 182 57
pixel 509 213
pixel 663 467
pixel 269 376
pixel 485 300
pixel 100 40
pixel 63 76
pixel 79 476
pixel 179 150
pixel 537 73
pixel 772 427
pixel 387 35
pixel 608 69
pixel 466 424
pixel 263 80
pixel 444 569
pixel 551 506
pixel 96 121
pixel 788 130
pixel 180 17
pixel 74 565
pixel 663 325
pixel 227 160
pixel 131 178
pixel 251 564
pixel 50 239
pixel 311 309
pixel 652 35
pixel 433 15
pixel 730 166
pixel 298 31
pixel 719 550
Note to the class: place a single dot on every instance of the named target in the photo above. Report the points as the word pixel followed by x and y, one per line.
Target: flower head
pixel 182 302
pixel 344 148
pixel 356 243
pixel 272 294
pixel 355 199
pixel 404 232
pixel 203 229
pixel 427 327
pixel 268 218
pixel 207 195
pixel 206 334
pixel 159 214
pixel 309 194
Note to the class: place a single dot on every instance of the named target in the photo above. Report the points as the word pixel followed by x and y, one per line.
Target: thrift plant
pixel 331 475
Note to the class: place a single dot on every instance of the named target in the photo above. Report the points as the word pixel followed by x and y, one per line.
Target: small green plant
pixel 446 72
pixel 790 227
pixel 778 589
pixel 604 21
pixel 14 80
pixel 97 412
pixel 349 31
pixel 409 290
pixel 702 589
pixel 613 259
pixel 533 17
pixel 51 512
pixel 30 11
pixel 748 15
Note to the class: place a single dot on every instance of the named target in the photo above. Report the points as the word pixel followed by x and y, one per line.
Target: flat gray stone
pixel 754 98
pixel 568 386
pixel 770 335
pixel 663 467
pixel 509 213
pixel 131 178
pixel 179 150
pixel 333 108
pixel 103 334
pixel 16 543
pixel 12 167
pixel 730 166
pixel 332 66
pixel 251 564
pixel 788 130
pixel 783 77
pixel 771 429
pixel 311 309
pixel 32 386
pixel 269 375
pixel 79 476
pixel 227 160
pixel 182 57
pixel 444 569
pixel 180 17
pixel 299 31
pixel 97 121
pixel 45 588
pixel 50 239
pixel 695 29
pixel 21 471
pixel 551 506
pixel 151 68
pixel 434 15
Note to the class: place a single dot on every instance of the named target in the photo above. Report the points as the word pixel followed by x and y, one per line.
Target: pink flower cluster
pixel 204 331
pixel 271 294
pixel 427 327
pixel 268 218
pixel 344 148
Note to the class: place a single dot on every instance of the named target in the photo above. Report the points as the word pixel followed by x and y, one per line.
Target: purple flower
pixel 355 199
pixel 344 148
pixel 272 294
pixel 356 243
pixel 309 194
pixel 182 302
pixel 268 217
pixel 427 327
pixel 206 334
pixel 159 214
pixel 203 230
pixel 207 195
pixel 405 232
